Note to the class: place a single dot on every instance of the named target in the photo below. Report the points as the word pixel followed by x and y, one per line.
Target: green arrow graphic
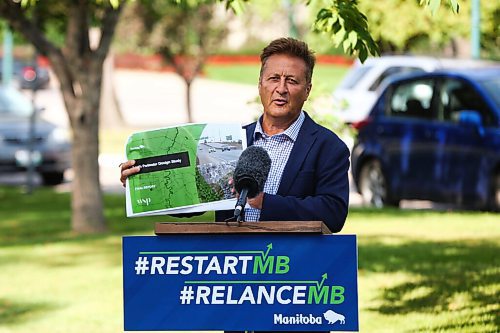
pixel 262 253
pixel 269 247
pixel 319 284
pixel 324 276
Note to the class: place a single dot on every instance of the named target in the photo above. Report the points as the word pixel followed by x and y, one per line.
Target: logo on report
pixel 309 319
pixel 137 148
pixel 144 201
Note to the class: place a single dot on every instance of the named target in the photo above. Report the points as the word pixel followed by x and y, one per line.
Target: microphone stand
pixel 240 217
pixel 240 205
pixel 239 209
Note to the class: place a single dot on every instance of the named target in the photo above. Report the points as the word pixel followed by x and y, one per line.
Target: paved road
pixel 151 99
pixel 158 99
pixel 206 156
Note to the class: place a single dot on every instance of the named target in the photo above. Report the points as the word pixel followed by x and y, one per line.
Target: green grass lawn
pixel 419 271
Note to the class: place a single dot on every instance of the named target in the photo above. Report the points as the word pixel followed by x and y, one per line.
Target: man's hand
pixel 233 190
pixel 256 202
pixel 127 170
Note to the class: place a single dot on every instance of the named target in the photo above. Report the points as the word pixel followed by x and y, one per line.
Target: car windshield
pixel 492 86
pixel 14 103
pixel 354 76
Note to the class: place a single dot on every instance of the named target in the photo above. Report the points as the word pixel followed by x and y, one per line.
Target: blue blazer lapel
pixel 250 128
pixel 305 140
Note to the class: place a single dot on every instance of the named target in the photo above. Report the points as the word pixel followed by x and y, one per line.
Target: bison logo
pixel 332 317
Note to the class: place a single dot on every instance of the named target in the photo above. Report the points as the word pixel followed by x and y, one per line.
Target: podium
pixel 306 227
pixel 260 276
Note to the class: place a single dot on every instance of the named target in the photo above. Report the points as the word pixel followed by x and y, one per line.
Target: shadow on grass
pixel 13 312
pixel 393 212
pixel 457 276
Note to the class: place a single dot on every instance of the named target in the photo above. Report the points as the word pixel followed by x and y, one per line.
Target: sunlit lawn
pixel 423 271
pixel 419 271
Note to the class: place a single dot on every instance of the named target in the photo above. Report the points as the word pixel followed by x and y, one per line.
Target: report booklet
pixel 184 168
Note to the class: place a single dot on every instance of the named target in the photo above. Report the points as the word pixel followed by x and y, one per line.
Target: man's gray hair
pixel 292 47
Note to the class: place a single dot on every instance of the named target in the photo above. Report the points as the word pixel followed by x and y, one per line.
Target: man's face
pixel 283 87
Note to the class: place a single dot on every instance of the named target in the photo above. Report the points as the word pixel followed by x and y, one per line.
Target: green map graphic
pixel 183 166
pixel 168 188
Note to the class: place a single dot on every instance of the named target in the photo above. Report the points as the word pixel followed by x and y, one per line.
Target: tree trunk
pixel 78 66
pixel 87 199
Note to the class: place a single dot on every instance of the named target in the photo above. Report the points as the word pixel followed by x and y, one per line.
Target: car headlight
pixel 59 136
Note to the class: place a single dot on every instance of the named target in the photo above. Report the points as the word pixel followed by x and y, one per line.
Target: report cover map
pixel 184 168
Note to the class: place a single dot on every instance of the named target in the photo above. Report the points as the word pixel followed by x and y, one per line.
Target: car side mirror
pixel 471 118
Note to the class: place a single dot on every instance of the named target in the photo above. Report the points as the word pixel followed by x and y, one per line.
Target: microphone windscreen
pixel 252 170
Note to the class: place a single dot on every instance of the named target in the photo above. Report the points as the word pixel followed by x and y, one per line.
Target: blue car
pixel 432 136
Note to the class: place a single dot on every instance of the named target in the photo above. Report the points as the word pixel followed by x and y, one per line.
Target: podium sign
pixel 260 282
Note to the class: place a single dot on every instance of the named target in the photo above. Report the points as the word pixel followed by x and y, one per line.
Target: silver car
pixel 48 148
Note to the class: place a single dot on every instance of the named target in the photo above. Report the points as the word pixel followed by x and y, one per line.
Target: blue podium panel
pixel 260 282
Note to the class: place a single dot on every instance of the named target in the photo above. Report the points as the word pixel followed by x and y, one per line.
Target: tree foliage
pixel 435 4
pixel 347 26
pixel 399 25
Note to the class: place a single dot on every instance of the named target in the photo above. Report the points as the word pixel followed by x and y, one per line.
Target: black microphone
pixel 250 176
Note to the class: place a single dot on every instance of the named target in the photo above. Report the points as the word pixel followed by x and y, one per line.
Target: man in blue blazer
pixel 308 179
pixel 314 185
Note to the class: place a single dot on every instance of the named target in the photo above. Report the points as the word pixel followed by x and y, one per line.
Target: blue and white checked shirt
pixel 278 147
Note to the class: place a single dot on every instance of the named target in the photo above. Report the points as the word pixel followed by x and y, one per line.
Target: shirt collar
pixel 292 132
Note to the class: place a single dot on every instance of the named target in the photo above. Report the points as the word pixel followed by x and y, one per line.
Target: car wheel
pixel 52 178
pixel 373 185
pixel 494 199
